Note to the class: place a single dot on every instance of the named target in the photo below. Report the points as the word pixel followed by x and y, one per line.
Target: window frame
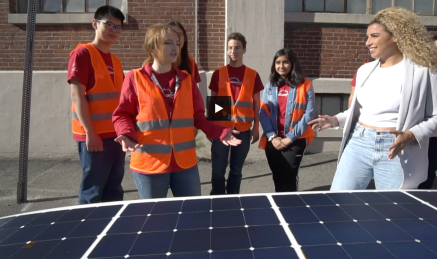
pixel 40 3
pixel 369 5
pixel 324 7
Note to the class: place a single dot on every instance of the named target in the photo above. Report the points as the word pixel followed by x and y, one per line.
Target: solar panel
pixel 359 224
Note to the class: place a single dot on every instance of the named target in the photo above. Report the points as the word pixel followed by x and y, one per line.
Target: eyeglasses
pixel 110 26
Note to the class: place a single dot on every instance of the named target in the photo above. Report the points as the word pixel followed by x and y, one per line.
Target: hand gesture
pixel 403 138
pixel 254 134
pixel 286 141
pixel 231 139
pixel 127 144
pixel 94 143
pixel 277 143
pixel 323 122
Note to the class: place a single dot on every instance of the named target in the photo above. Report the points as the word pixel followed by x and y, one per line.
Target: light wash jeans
pixel 181 183
pixel 364 156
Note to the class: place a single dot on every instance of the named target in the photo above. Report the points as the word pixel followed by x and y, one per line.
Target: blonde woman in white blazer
pixel 393 113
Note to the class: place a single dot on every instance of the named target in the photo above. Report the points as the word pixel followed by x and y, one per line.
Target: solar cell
pixel 362 224
pixel 367 250
pixel 427 196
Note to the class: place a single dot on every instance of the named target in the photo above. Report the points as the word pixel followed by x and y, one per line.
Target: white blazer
pixel 417 113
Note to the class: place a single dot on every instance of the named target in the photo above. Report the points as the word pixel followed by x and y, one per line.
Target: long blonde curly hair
pixel 413 40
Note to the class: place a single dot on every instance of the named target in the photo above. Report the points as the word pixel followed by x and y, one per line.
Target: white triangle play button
pixel 218 108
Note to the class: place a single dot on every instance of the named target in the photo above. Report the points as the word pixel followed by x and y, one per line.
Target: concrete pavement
pixel 53 180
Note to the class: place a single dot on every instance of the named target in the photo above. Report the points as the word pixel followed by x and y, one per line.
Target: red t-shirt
pixel 80 66
pixel 167 81
pixel 236 76
pixel 354 80
pixel 124 116
pixel 282 108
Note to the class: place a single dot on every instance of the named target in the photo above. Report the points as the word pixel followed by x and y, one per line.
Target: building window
pixel 67 6
pixel 421 7
pixel 330 103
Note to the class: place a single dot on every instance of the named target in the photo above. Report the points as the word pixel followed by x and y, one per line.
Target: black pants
pixel 432 166
pixel 285 164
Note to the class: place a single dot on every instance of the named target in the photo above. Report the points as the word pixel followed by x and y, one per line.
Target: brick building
pixel 327 35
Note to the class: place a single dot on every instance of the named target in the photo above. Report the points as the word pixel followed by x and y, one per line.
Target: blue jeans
pixel 102 173
pixel 364 156
pixel 182 183
pixel 219 157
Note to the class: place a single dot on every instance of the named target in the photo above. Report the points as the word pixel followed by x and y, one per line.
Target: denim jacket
pixel 270 124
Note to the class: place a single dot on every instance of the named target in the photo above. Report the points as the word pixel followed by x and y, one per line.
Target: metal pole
pixel 25 110
pixel 195 31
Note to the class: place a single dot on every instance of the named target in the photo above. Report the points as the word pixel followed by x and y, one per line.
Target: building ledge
pixel 62 18
pixel 55 18
pixel 342 18
pixel 331 85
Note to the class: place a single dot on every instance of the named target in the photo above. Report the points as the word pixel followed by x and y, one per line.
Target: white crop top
pixel 380 96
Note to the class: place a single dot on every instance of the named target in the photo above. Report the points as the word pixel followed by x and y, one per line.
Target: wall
pixel 53 43
pixel 262 23
pixel 50 123
pixel 328 51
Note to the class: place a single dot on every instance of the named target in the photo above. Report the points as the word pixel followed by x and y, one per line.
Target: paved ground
pixel 53 180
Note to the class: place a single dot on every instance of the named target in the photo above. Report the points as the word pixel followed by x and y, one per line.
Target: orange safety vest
pixel 103 97
pixel 298 112
pixel 161 136
pixel 242 109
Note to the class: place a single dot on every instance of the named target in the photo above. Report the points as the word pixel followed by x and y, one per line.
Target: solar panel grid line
pixel 287 230
pixel 105 230
pixel 256 215
pixel 386 201
pixel 184 198
pixel 177 221
pixel 312 208
pixel 422 201
pixel 246 226
pixel 73 207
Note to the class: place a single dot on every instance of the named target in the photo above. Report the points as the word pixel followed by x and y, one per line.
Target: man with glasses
pixel 95 77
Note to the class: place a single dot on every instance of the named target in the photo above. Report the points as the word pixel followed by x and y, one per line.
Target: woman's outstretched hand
pixel 231 140
pixel 323 122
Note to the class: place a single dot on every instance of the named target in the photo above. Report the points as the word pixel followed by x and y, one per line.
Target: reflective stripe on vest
pixel 103 97
pixel 166 149
pixel 161 137
pixel 95 116
pixel 298 112
pixel 163 124
pixel 242 108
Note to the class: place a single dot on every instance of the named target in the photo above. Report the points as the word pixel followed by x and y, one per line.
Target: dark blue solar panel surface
pixel 334 225
pixel 363 225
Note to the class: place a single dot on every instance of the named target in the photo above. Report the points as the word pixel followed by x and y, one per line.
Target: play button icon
pixel 217 108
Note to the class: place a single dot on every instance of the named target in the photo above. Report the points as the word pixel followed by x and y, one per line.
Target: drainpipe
pixel 195 30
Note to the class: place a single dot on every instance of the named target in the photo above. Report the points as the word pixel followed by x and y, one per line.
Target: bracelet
pixel 272 137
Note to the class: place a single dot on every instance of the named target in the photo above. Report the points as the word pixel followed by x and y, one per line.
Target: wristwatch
pixel 272 137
